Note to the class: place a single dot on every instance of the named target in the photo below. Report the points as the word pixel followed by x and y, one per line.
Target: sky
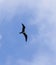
pixel 39 17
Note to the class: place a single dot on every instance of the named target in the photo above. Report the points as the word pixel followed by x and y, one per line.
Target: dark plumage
pixel 23 32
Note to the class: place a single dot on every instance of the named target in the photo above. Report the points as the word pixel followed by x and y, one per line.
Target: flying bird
pixel 23 32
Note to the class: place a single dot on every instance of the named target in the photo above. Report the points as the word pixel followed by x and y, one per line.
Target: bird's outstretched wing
pixel 25 35
pixel 23 28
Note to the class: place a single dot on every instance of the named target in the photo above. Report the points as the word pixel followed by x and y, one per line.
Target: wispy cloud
pixel 10 7
pixel 45 21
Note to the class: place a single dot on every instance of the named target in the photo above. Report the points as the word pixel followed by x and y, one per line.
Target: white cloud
pixel 39 59
pixel 41 7
pixel 8 8
pixel 45 20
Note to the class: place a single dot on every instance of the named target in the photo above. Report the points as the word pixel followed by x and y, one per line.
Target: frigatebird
pixel 23 32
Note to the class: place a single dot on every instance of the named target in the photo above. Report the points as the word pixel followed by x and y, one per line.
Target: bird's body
pixel 23 32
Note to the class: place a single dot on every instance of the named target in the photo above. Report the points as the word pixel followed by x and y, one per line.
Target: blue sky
pixel 39 17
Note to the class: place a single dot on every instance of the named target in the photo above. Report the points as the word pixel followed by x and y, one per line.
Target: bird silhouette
pixel 23 32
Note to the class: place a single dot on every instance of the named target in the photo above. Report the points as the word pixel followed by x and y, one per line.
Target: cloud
pixel 39 59
pixel 10 8
pixel 41 8
pixel 45 21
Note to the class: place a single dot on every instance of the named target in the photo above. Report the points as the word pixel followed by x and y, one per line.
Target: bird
pixel 23 32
